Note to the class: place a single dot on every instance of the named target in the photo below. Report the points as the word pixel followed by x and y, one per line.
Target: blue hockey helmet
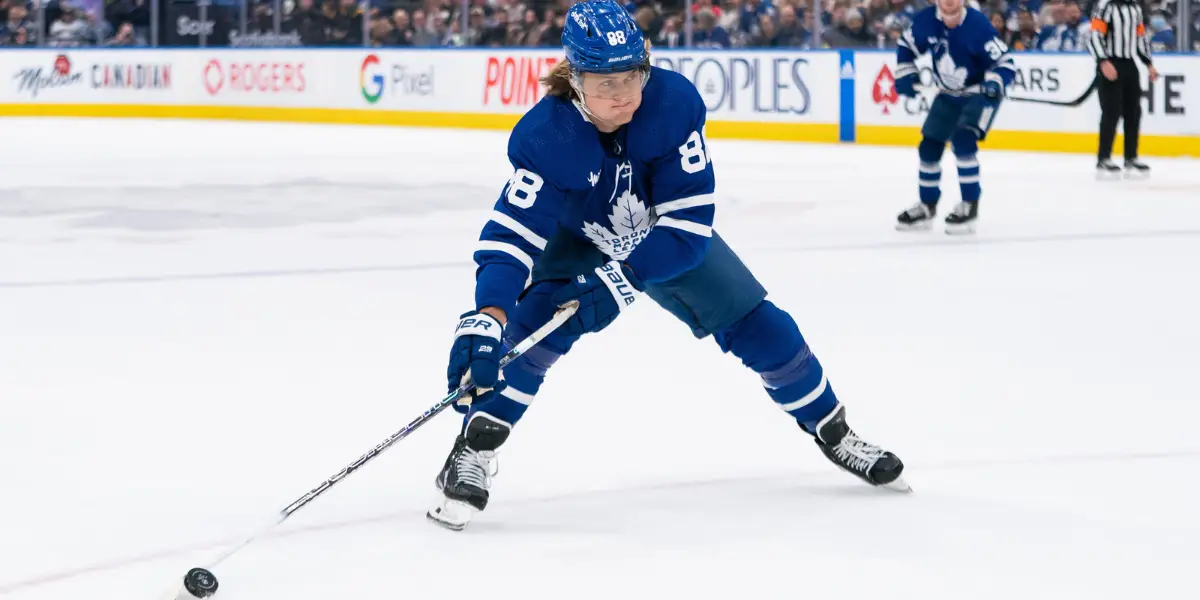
pixel 600 36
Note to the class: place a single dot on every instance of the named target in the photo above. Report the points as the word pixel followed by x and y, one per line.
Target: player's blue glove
pixel 992 90
pixel 602 295
pixel 476 352
pixel 907 85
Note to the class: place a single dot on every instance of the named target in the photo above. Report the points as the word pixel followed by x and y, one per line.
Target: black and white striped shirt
pixel 1118 31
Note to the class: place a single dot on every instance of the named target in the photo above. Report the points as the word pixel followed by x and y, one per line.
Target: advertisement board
pixel 1169 105
pixel 801 96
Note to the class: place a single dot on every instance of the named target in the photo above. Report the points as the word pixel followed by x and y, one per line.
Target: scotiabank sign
pixel 267 77
pixel 514 80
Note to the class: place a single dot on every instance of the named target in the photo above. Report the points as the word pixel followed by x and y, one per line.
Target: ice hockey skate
pixel 1136 169
pixel 466 477
pixel 1106 169
pixel 856 456
pixel 962 219
pixel 919 217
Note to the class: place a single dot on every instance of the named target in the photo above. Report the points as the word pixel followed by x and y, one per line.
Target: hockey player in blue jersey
pixel 972 70
pixel 610 202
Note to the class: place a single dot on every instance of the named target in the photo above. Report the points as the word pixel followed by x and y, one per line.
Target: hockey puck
pixel 200 583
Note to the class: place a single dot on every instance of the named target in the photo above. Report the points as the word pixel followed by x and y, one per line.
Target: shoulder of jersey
pixel 925 17
pixel 549 139
pixel 671 107
pixel 977 19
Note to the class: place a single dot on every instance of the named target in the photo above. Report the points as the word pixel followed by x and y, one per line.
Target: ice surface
pixel 201 321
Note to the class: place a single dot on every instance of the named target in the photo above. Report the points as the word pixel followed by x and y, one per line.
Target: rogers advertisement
pixel 260 77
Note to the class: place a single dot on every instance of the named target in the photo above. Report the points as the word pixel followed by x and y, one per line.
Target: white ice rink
pixel 201 321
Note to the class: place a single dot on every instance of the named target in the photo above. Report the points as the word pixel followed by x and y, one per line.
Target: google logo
pixel 372 85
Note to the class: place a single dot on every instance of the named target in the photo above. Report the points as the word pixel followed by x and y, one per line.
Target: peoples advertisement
pixel 761 86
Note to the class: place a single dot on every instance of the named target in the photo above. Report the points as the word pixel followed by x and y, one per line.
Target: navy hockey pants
pixel 720 297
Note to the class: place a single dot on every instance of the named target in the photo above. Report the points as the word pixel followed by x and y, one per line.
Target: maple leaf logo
pixel 629 214
pixel 884 90
pixel 631 222
pixel 952 75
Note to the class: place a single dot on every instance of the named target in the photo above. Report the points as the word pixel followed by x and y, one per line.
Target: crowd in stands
pixel 1042 25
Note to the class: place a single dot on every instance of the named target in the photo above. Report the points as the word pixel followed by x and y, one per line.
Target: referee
pixel 1118 33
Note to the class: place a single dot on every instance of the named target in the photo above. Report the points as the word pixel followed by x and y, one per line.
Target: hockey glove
pixel 602 295
pixel 992 90
pixel 907 85
pixel 475 354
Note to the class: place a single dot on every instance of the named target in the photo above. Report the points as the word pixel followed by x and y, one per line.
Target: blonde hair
pixel 558 80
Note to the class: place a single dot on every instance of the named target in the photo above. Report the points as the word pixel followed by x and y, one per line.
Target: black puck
pixel 200 583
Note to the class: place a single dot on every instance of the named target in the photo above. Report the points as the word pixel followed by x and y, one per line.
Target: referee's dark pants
pixel 1120 98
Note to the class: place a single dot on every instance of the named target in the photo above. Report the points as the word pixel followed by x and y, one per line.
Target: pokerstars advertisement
pixel 1168 104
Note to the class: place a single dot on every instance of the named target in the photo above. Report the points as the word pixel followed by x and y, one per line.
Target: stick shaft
pixel 532 340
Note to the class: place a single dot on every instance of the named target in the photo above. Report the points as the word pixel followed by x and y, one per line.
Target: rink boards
pixel 815 96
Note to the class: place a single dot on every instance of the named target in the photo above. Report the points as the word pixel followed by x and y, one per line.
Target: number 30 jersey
pixel 642 195
pixel 963 57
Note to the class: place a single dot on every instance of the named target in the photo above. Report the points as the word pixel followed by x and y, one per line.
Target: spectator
pixel 125 36
pixel 401 26
pixel 849 34
pixel 383 32
pixel 767 32
pixel 16 24
pixel 308 23
pixel 1001 25
pixel 497 31
pixel 1068 33
pixel 707 33
pixel 422 33
pixel 1163 37
pixel 671 35
pixel 699 5
pixel 790 32
pixel 68 30
pixel 1026 35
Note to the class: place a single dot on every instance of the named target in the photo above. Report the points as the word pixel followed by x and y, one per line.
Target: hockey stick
pixel 201 583
pixel 1076 102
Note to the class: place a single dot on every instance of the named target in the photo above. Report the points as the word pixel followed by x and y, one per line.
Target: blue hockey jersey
pixel 963 57
pixel 642 194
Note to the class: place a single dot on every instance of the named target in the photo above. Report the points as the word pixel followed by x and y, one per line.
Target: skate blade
pixel 898 485
pixel 925 225
pixel 1107 176
pixel 454 515
pixel 962 229
pixel 1136 176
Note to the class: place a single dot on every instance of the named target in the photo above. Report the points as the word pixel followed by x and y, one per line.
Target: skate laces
pixel 857 453
pixel 476 468
pixel 962 209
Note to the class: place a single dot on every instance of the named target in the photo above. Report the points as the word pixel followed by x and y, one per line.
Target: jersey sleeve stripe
pixel 516 227
pixel 903 69
pixel 683 203
pixel 688 226
pixel 509 249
